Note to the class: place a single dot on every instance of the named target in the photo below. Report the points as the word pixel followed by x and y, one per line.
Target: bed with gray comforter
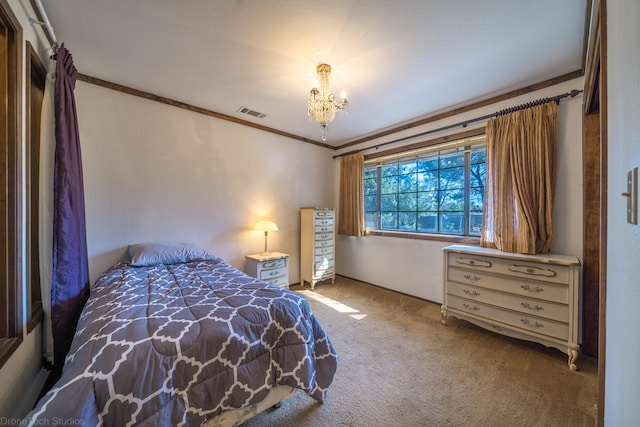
pixel 179 344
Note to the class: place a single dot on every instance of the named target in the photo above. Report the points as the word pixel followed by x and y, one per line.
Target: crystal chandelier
pixel 322 106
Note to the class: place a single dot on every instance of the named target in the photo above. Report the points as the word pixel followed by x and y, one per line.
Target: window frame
pixel 408 151
pixel 10 289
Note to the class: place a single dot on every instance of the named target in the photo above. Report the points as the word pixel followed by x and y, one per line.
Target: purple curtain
pixel 70 282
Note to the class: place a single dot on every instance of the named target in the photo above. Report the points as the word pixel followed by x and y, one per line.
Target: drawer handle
pixel 468 307
pixel 532 307
pixel 473 262
pixel 528 288
pixel 472 278
pixel 531 271
pixel 471 293
pixel 531 324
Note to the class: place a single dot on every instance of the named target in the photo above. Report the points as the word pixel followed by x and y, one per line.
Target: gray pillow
pixel 145 254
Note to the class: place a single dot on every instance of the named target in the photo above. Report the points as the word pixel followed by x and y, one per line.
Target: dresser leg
pixel 573 357
pixel 443 315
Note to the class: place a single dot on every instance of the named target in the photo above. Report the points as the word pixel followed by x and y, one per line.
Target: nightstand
pixel 270 267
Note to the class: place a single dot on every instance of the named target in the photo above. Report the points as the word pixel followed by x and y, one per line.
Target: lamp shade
pixel 266 226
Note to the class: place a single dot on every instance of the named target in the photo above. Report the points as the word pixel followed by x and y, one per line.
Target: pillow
pixel 145 254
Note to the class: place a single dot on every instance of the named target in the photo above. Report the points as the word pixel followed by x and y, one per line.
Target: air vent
pixel 250 112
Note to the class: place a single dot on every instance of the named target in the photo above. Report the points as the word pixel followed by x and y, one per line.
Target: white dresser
pixel 317 245
pixel 532 297
pixel 270 267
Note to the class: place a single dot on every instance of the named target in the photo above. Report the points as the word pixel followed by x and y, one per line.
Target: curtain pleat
pixel 351 203
pixel 520 180
pixel 47 149
pixel 70 281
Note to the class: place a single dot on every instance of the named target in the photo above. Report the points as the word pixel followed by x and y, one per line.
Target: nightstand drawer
pixel 281 281
pixel 275 263
pixel 274 272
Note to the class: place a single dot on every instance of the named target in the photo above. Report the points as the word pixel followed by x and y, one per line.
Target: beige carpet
pixel 399 366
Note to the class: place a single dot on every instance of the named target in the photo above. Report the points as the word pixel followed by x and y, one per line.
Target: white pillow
pixel 145 254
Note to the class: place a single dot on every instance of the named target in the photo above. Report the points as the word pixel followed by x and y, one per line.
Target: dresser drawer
pixel 324 213
pixel 328 250
pixel 549 310
pixel 323 236
pixel 323 243
pixel 529 323
pixel 514 268
pixel 323 228
pixel 322 257
pixel 542 290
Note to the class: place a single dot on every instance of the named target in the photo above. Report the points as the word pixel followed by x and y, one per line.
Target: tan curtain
pixel 351 206
pixel 520 180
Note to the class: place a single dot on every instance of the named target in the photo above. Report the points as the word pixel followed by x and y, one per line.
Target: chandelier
pixel 322 106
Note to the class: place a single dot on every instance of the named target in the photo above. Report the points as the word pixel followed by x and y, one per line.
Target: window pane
pixel 371 173
pixel 407 183
pixel 451 178
pixel 407 221
pixel 370 203
pixel 428 164
pixel 476 200
pixel 389 184
pixel 388 170
pixel 407 202
pixel 388 220
pixel 475 226
pixel 428 201
pixel 479 156
pixel 371 220
pixel 477 175
pixel 370 187
pixel 452 161
pixel 428 222
pixel 407 167
pixel 452 200
pixel 427 180
pixel 389 202
pixel 452 223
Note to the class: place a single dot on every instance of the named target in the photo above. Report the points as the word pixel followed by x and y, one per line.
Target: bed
pixel 177 336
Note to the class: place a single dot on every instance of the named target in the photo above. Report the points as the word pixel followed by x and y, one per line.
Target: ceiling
pixel 397 61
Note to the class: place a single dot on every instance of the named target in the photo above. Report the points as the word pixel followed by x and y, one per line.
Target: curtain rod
pixel 537 102
pixel 46 24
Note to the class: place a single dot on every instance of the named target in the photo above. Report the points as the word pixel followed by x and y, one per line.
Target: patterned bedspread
pixel 177 344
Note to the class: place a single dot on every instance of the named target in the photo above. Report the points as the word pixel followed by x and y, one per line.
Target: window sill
pixel 7 347
pixel 426 236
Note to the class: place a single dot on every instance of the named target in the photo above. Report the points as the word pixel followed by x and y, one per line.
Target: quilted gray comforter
pixel 177 344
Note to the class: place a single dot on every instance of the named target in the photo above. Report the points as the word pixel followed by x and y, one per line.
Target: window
pixel 10 290
pixel 439 189
pixel 35 77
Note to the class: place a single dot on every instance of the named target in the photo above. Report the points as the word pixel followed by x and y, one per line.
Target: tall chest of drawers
pixel 531 297
pixel 317 245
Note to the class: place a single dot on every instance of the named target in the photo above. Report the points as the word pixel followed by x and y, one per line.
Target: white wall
pixel 622 389
pixel 154 172
pixel 414 266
